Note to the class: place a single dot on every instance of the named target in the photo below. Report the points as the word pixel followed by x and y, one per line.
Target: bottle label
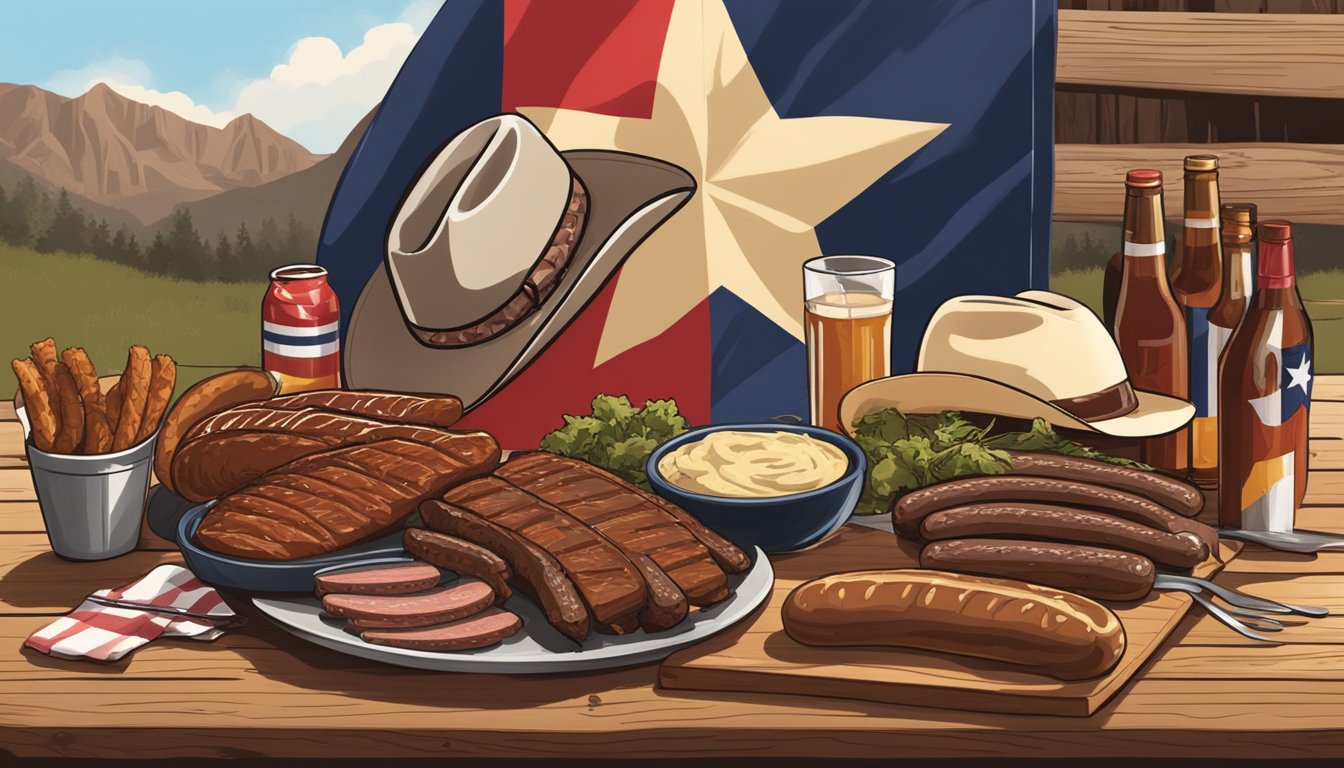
pixel 1269 490
pixel 1203 387
pixel 1145 249
pixel 312 351
pixel 1201 223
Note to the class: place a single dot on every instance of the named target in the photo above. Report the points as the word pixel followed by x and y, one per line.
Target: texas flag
pixel 1275 483
pixel 919 132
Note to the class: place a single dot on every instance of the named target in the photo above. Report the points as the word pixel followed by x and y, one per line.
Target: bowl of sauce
pixel 779 487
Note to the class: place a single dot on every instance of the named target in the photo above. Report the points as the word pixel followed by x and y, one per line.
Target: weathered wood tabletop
pixel 259 691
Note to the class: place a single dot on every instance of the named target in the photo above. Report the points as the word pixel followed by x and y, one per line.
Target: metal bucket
pixel 92 506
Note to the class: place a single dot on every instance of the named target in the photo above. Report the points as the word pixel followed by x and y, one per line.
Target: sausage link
pixel 1180 497
pixel 1047 522
pixel 1101 574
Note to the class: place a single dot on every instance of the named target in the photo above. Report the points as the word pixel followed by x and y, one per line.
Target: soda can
pixel 301 329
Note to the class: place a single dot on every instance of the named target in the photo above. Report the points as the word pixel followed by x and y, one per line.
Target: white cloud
pixel 314 97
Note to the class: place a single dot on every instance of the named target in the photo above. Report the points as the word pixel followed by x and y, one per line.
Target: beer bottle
pixel 1149 328
pixel 1237 221
pixel 1264 390
pixel 1110 289
pixel 1197 284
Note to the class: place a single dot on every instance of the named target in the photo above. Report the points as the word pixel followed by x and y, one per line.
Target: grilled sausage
pixel 535 571
pixel 485 628
pixel 1101 574
pixel 911 509
pixel 1045 522
pixel 390 579
pixel 1037 629
pixel 1180 497
pixel 461 557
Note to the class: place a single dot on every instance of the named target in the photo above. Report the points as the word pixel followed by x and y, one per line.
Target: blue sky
pixel 211 51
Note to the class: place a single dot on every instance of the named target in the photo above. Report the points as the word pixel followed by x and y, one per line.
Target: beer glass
pixel 847 319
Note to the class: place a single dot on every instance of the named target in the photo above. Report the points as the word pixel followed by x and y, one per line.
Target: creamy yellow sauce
pixel 753 464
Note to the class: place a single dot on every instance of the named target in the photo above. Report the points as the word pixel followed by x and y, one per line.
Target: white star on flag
pixel 764 182
pixel 1301 375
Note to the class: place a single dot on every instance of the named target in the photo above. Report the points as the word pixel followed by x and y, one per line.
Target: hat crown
pixel 476 222
pixel 1042 343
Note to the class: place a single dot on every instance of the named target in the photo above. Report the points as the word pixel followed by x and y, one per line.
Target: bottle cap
pixel 1276 230
pixel 1201 162
pixel 1143 178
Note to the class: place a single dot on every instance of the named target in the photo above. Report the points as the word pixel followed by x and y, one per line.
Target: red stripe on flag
pixel 597 55
pixel 563 380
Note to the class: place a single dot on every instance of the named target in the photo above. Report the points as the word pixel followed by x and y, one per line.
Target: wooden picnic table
pixel 258 691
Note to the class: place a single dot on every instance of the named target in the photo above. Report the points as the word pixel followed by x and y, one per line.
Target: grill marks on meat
pixel 219 455
pixel 428 410
pixel 535 571
pixel 330 500
pixel 609 583
pixel 636 525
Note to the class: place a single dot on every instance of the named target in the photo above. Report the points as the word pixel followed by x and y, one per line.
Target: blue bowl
pixel 775 523
pixel 271 575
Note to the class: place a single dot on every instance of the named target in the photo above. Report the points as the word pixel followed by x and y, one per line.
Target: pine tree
pixel 117 248
pixel 187 253
pixel 16 224
pixel 158 258
pixel 270 244
pixel 226 259
pixel 99 238
pixel 246 254
pixel 132 254
pixel 66 231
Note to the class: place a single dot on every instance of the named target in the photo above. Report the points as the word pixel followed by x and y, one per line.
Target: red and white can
pixel 301 329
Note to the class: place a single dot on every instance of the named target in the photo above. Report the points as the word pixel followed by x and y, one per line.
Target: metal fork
pixel 1242 627
pixel 1241 599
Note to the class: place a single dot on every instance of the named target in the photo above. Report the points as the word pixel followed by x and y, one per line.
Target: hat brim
pixel 629 196
pixel 933 392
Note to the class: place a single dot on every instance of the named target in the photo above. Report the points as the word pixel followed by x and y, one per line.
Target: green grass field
pixel 105 307
pixel 1323 293
pixel 208 327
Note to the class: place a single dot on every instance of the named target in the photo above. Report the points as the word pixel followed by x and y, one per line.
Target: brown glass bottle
pixel 1237 222
pixel 1110 289
pixel 1264 391
pixel 1149 327
pixel 1197 284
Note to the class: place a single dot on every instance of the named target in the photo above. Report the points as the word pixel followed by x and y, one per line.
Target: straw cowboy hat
pixel 1034 355
pixel 499 243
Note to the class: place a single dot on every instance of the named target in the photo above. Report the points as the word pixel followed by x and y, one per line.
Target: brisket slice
pixel 427 410
pixel 437 606
pixel 486 628
pixel 610 584
pixel 224 451
pixel 391 579
pixel 331 500
pixel 627 518
pixel 535 571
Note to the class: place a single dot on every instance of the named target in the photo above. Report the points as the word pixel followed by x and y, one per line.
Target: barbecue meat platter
pixel 420 545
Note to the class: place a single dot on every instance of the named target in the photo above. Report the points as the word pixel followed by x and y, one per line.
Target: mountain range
pixel 145 160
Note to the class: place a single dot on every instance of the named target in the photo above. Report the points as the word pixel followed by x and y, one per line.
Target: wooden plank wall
pixel 1139 84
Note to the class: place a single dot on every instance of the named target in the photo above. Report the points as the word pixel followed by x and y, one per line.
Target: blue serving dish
pixel 270 575
pixel 776 523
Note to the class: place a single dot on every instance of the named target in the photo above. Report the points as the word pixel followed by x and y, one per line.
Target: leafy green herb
pixel 618 436
pixel 911 451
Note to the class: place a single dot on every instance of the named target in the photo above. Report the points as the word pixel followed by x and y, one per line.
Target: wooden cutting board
pixel 758 657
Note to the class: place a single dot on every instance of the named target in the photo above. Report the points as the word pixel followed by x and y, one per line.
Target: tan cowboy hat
pixel 498 245
pixel 1034 355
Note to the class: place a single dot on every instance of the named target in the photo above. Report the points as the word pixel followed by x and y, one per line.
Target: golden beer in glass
pixel 847 321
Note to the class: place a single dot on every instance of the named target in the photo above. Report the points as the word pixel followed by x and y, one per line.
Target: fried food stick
pixel 71 408
pixel 37 402
pixel 134 392
pixel 161 382
pixel 44 357
pixel 112 401
pixel 97 431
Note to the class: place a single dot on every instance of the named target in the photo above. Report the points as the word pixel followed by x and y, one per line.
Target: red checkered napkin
pixel 104 633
